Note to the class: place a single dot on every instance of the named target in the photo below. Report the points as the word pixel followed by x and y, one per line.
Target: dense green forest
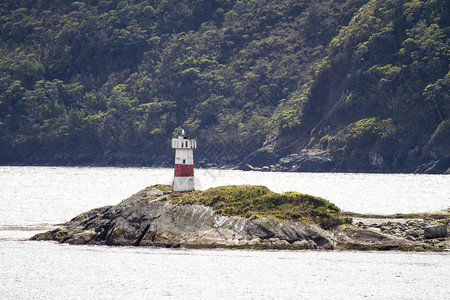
pixel 347 85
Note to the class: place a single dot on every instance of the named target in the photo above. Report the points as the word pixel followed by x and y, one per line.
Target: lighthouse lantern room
pixel 183 180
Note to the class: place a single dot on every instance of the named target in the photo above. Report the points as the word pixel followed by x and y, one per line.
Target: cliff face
pixel 150 218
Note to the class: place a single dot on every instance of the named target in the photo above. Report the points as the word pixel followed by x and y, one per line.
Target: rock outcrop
pixel 148 218
pixel 410 234
pixel 151 218
pixel 321 159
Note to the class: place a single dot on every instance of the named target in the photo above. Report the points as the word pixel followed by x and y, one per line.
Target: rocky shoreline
pixel 305 160
pixel 318 160
pixel 150 218
pixel 404 233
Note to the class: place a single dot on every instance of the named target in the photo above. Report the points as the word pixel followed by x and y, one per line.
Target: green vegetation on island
pixel 247 217
pixel 250 201
pixel 109 81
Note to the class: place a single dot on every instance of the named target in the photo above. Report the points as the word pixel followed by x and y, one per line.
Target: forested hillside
pixel 346 85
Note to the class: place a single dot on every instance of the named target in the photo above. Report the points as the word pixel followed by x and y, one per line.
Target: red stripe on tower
pixel 184 170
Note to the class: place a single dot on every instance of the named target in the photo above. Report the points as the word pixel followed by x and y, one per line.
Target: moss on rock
pixel 252 201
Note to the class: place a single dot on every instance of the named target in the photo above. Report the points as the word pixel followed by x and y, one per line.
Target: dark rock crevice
pixel 138 241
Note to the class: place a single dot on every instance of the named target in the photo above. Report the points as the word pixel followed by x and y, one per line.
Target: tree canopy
pixel 96 80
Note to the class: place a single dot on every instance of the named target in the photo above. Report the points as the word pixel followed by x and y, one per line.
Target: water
pixel 47 270
pixel 33 199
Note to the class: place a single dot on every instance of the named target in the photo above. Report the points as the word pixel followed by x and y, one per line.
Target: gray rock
pixel 439 231
pixel 412 232
pixel 375 159
pixel 148 218
pixel 248 167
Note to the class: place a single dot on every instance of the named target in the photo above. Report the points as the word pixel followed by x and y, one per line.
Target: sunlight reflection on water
pixel 36 198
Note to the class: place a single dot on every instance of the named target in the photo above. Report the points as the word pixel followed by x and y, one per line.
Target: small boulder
pixel 438 231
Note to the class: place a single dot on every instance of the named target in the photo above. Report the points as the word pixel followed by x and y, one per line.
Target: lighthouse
pixel 183 180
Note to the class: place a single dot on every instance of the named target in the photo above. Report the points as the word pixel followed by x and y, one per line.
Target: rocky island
pixel 248 217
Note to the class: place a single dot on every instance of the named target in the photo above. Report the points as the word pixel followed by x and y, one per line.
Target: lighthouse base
pixel 183 184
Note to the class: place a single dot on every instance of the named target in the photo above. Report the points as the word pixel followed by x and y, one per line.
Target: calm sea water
pixel 33 199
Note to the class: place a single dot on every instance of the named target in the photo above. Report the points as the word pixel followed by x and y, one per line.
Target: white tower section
pixel 183 180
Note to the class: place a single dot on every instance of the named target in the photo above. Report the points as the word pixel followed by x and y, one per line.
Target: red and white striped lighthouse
pixel 183 180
